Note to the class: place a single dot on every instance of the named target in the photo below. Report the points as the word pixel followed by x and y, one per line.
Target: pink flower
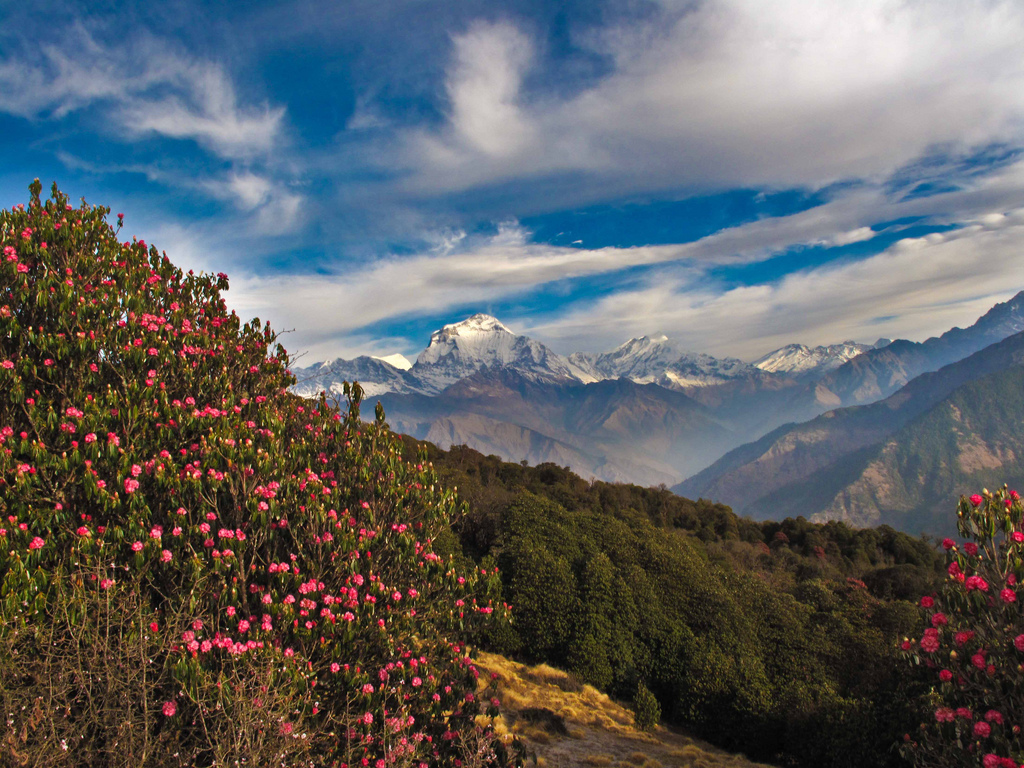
pixel 929 643
pixel 367 718
pixel 8 364
pixel 82 531
pixel 1017 536
pixel 939 620
pixel 137 546
pixel 36 543
pixel 963 637
pixel 367 688
pixel 976 582
pixel 1018 643
pixel 335 667
pixel 170 709
pixel 971 548
pixel 156 532
pixel 106 583
pixel 945 675
pixel 982 729
pixel 1008 596
pixel 927 602
pixel 136 470
pixel 976 500
pixel 130 485
pixel 166 556
pixel 91 437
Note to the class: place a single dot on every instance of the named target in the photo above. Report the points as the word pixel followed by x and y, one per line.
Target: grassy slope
pixel 564 724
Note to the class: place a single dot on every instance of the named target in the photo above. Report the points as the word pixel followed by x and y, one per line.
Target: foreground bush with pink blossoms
pixel 970 657
pixel 197 568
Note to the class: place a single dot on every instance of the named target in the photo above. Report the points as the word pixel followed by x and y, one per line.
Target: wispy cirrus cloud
pixel 679 294
pixel 734 93
pixel 916 288
pixel 145 85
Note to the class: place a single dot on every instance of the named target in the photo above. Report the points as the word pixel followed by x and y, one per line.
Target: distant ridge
pixel 481 383
pixel 890 462
pixel 801 360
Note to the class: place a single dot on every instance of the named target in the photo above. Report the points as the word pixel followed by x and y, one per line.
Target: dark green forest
pixel 777 639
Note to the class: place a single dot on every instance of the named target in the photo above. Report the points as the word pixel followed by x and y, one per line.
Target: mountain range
pixel 901 460
pixel 650 412
pixel 459 350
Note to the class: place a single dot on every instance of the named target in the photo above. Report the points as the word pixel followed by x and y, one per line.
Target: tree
pixel 969 659
pixel 197 567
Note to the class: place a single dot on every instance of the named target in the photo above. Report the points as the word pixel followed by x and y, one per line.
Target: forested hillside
pixel 776 639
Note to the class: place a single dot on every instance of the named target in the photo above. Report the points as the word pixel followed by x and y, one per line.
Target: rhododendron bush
pixel 196 567
pixel 970 655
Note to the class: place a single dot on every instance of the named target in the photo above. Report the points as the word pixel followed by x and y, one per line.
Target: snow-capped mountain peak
pixel 801 360
pixel 401 362
pixel 641 359
pixel 656 359
pixel 460 349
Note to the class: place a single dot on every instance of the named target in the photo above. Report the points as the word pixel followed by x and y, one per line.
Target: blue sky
pixel 736 174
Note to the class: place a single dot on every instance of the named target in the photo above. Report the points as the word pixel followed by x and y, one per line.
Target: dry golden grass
pixel 565 724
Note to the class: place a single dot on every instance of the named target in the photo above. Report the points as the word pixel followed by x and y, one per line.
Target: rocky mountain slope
pixel 613 430
pixel 878 373
pixel 867 464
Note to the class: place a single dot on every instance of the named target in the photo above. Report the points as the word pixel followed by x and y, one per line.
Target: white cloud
pixel 207 111
pixel 145 86
pixel 738 93
pixel 275 207
pixel 858 235
pixel 483 88
pixel 746 321
pixel 914 289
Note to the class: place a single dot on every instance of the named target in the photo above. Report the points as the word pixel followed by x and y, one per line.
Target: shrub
pixel 646 710
pixel 196 567
pixel 969 656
